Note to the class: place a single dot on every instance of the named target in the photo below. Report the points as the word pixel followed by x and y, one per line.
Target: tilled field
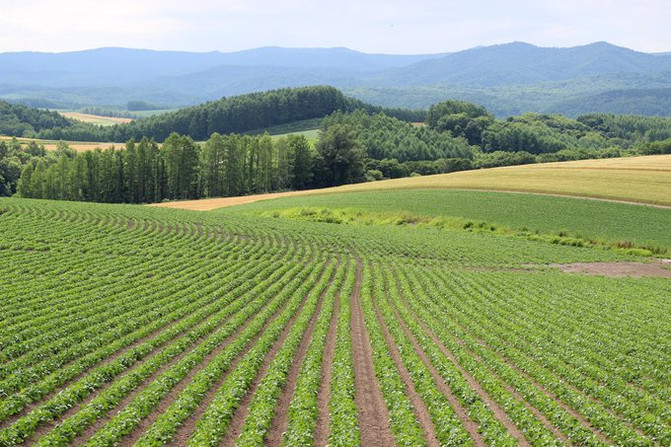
pixel 128 325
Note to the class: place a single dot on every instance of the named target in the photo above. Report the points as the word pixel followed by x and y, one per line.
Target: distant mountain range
pixel 508 79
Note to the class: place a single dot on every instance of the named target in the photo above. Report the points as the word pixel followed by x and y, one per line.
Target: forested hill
pixel 508 79
pixel 18 120
pixel 237 114
pixel 352 146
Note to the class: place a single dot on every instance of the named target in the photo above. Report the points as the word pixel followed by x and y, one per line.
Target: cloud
pixel 374 26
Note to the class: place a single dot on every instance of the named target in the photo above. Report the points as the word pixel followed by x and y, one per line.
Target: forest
pixel 235 114
pixel 356 143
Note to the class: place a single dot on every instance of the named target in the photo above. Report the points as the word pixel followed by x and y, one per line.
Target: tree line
pixel 225 165
pixel 236 114
pixel 362 145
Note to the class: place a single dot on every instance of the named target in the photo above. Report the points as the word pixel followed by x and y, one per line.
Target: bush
pixel 373 175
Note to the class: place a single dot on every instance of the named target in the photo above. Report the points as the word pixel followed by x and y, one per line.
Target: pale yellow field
pixel 95 119
pixel 79 146
pixel 635 179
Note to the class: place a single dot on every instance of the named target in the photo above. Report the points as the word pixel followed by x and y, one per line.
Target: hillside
pixel 130 325
pixel 509 78
pixel 520 63
pixel 645 180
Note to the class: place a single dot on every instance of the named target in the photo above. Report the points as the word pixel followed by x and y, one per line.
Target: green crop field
pixel 347 320
pixel 609 222
pixel 633 179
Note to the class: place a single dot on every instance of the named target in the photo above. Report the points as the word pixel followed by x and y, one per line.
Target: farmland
pixel 79 146
pixel 635 179
pixel 131 325
pixel 95 119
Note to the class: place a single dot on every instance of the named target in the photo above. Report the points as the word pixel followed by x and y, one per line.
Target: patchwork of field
pixel 131 325
pixel 633 179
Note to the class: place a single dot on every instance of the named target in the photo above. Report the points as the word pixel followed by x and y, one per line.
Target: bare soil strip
pixel 187 428
pixel 241 413
pixel 278 426
pixel 373 414
pixel 551 395
pixel 461 412
pixel 499 412
pixel 324 394
pixel 421 412
pixel 619 269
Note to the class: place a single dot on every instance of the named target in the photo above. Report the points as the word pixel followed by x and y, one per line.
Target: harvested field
pixel 96 119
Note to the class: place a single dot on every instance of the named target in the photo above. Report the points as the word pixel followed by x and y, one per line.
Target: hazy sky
pixel 373 26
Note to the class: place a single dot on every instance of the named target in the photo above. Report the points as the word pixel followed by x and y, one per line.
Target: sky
pixel 371 26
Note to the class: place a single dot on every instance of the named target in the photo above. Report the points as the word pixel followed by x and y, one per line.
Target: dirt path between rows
pixel 322 427
pixel 275 434
pixel 373 415
pixel 240 415
pixel 421 411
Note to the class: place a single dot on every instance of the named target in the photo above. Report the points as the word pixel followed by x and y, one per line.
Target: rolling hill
pixel 508 79
pixel 645 180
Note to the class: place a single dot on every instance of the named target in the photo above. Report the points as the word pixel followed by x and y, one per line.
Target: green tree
pixel 181 165
pixel 342 154
pixel 300 161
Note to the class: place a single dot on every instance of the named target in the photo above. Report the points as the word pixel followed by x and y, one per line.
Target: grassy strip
pixel 350 216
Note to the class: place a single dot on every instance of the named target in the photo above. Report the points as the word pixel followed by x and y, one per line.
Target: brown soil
pixel 619 269
pixel 373 415
pixel 211 204
pixel 324 394
pixel 421 412
pixel 275 434
pixel 499 412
